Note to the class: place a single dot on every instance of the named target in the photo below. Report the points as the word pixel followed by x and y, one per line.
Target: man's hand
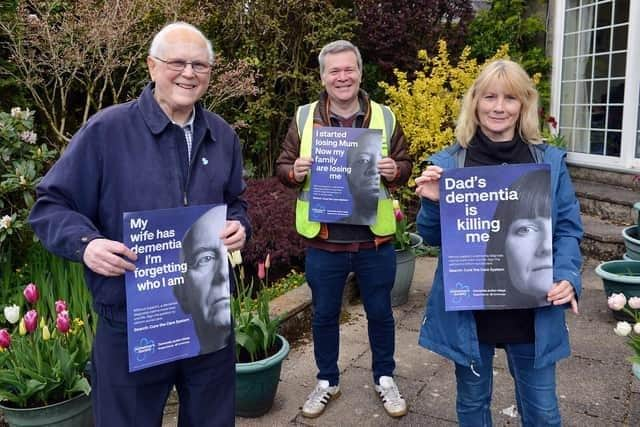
pixel 428 184
pixel 388 168
pixel 301 168
pixel 562 292
pixel 233 235
pixel 108 257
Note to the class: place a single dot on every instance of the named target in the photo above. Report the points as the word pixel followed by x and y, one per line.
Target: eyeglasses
pixel 180 65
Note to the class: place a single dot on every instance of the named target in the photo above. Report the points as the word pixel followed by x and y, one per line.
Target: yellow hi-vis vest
pixel 381 118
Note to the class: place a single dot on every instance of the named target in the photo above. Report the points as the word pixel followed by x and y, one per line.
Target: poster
pixel 496 236
pixel 178 298
pixel 345 183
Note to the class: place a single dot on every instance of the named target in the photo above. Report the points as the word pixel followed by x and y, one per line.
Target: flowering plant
pixel 255 330
pixel 42 362
pixel 551 133
pixel 618 302
pixel 402 240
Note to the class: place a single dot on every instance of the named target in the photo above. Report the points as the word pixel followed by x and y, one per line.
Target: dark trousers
pixel 326 273
pixel 205 385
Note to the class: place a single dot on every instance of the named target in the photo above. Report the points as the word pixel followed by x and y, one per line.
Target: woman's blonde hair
pixel 518 83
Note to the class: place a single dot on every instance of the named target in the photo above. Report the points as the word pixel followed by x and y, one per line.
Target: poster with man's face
pixel 178 297
pixel 345 182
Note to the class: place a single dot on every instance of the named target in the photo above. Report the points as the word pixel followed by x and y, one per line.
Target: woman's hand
pixel 428 183
pixel 562 292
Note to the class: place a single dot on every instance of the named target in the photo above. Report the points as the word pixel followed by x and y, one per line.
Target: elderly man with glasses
pixel 162 150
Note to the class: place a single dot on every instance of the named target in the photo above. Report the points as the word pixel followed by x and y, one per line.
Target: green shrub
pixel 22 164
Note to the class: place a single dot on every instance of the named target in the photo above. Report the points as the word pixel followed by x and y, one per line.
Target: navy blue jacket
pixel 452 334
pixel 127 158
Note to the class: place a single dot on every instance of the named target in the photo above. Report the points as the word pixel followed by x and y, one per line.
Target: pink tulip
pixel 5 338
pixel 61 305
pixel 261 272
pixel 31 320
pixel 62 322
pixel 616 301
pixel 399 215
pixel 30 293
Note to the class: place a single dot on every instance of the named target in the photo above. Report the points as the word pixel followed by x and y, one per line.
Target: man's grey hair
pixel 158 42
pixel 337 47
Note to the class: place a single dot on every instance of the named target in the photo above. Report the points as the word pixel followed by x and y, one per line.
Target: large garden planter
pixel 257 383
pixel 405 266
pixel 75 412
pixel 632 242
pixel 636 370
pixel 620 276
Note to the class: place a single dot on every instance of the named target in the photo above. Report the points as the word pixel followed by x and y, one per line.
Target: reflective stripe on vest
pixel 381 118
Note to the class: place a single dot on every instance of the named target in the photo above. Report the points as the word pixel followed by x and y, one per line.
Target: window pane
pixel 597 117
pixel 620 38
pixel 570 45
pixel 573 3
pixel 585 65
pixel 586 42
pixel 569 69
pixel 587 17
pixel 621 11
pixel 596 145
pixel 603 40
pixel 601 66
pixel 582 117
pixel 583 92
pixel 616 91
pixel 614 119
pixel 618 64
pixel 581 140
pixel 613 144
pixel 571 21
pixel 566 116
pixel 604 15
pixel 568 93
pixel 599 92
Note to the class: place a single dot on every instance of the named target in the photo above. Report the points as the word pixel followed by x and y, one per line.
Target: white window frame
pixel 630 124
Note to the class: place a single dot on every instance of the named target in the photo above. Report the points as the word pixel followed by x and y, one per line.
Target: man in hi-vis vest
pixel 335 249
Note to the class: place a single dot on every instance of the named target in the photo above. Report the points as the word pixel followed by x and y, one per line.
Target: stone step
pixel 620 179
pixel 611 203
pixel 602 239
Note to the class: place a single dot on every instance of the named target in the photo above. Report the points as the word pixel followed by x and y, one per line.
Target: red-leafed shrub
pixel 272 215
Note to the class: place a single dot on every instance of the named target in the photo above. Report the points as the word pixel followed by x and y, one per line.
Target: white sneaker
pixel 319 398
pixel 392 400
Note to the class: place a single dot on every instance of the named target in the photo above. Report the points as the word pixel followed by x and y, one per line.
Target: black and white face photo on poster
pixel 205 293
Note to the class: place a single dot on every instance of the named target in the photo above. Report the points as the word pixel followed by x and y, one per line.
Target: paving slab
pixel 595 385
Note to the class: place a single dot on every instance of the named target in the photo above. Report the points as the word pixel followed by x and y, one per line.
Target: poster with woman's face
pixel 496 236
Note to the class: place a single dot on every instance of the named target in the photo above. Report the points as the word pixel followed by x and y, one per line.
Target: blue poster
pixel 178 298
pixel 496 236
pixel 345 182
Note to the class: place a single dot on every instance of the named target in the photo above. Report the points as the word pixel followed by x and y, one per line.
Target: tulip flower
pixel 622 329
pixel 261 272
pixel 12 314
pixel 634 302
pixel 46 335
pixel 636 328
pixel 5 338
pixel 235 258
pixel 617 302
pixel 62 322
pixel 61 305
pixel 30 320
pixel 22 329
pixel 399 215
pixel 30 293
pixel 267 261
pixel 396 204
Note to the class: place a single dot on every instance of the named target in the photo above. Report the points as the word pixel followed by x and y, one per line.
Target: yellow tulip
pixel 22 329
pixel 45 333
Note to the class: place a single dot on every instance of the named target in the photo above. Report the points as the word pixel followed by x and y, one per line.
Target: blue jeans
pixel 326 274
pixel 535 388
